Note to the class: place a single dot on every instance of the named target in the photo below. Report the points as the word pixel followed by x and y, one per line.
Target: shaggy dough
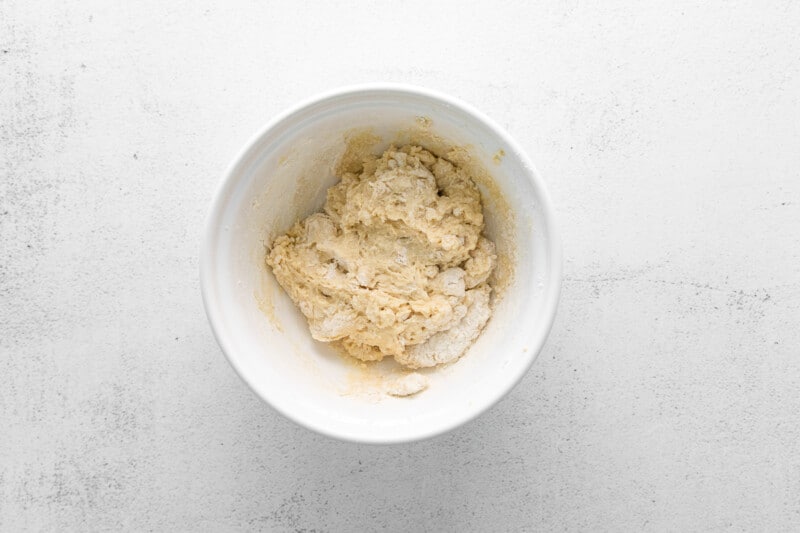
pixel 396 264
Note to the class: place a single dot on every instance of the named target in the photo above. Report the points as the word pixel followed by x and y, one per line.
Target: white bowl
pixel 281 176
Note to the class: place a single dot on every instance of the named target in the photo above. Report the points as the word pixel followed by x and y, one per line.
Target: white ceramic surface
pixel 281 176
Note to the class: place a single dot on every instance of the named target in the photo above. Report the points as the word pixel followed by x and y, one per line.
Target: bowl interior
pixel 281 177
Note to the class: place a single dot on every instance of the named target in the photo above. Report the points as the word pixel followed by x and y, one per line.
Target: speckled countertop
pixel 667 397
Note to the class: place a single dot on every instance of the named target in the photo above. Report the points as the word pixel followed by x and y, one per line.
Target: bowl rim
pixel 552 291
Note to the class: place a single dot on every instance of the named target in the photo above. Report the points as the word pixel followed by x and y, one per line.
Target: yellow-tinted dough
pixel 396 257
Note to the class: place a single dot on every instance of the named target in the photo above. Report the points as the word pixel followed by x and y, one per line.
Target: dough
pixel 407 385
pixel 396 264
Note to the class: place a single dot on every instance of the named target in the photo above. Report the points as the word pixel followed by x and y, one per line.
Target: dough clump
pixel 396 263
pixel 407 385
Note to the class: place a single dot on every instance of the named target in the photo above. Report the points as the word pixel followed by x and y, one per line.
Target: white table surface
pixel 667 397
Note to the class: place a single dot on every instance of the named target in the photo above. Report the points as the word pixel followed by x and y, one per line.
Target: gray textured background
pixel 667 398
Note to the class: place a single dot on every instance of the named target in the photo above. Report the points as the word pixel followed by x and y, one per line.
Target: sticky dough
pixel 396 264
